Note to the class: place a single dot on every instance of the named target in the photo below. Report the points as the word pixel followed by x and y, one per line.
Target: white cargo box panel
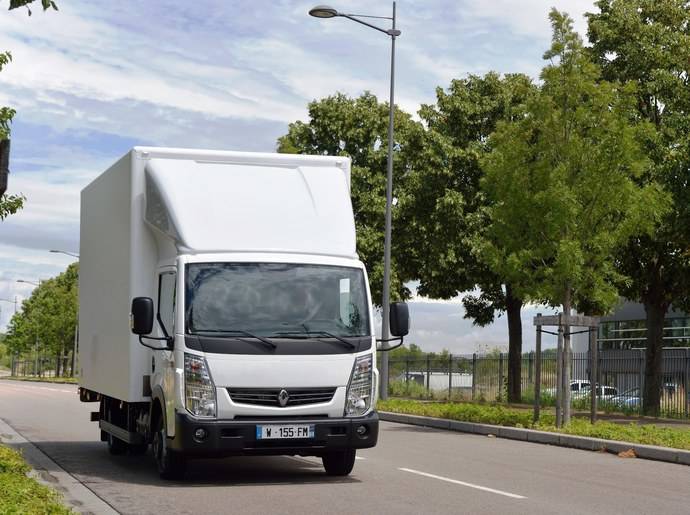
pixel 154 200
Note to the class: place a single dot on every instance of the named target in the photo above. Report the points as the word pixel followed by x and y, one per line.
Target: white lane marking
pixel 30 388
pixel 360 458
pixel 463 483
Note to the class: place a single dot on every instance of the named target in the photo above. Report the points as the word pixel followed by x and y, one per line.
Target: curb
pixel 648 452
pixel 75 495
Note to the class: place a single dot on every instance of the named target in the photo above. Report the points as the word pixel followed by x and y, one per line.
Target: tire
pixel 339 463
pixel 116 447
pixel 170 465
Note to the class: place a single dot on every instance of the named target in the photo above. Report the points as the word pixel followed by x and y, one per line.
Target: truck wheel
pixel 171 465
pixel 339 463
pixel 116 446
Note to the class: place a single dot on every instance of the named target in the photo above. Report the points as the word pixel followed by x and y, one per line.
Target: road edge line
pixel 76 494
pixel 648 452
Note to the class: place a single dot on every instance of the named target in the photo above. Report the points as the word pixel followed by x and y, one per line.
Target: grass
pixel 647 434
pixel 22 494
pixel 35 379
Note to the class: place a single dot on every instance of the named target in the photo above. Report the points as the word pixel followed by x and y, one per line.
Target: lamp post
pixel 36 341
pixel 325 11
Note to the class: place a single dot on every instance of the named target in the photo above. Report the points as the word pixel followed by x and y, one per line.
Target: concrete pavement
pixel 412 470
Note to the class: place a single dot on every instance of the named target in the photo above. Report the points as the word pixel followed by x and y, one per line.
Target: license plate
pixel 279 432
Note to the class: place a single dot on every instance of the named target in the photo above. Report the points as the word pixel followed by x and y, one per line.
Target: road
pixel 412 470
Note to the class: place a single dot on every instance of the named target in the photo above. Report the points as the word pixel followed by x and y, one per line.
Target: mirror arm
pixel 167 339
pixel 400 338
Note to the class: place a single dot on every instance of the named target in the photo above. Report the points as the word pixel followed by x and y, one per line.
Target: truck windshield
pixel 276 299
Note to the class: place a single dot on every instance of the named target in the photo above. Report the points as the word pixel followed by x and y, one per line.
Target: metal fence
pixel 483 377
pixel 42 367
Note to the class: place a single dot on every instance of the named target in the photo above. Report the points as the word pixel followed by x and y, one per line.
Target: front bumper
pixel 238 437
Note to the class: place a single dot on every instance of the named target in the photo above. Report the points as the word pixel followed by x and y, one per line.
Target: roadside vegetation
pixel 35 379
pixel 22 494
pixel 648 434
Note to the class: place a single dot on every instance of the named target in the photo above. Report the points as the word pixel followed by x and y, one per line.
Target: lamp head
pixel 323 11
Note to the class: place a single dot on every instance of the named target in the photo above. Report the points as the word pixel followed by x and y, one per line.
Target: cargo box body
pixel 156 204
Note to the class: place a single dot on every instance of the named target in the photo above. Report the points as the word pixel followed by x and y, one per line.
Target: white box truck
pixel 223 309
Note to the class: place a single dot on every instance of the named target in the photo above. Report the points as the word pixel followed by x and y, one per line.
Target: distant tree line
pixel 570 192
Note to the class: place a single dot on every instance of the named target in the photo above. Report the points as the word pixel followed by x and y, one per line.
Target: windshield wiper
pixel 239 331
pixel 307 332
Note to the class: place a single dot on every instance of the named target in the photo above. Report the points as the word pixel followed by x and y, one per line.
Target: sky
pixel 98 77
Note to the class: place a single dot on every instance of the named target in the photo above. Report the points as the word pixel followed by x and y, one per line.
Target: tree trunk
pixel 513 308
pixel 656 312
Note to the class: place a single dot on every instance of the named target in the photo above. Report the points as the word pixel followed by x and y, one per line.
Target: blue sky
pixel 98 77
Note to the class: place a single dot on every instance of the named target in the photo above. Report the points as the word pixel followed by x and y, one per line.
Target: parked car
pixel 576 386
pixel 630 398
pixel 604 393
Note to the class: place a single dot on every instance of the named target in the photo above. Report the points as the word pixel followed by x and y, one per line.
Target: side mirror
pixel 399 319
pixel 142 315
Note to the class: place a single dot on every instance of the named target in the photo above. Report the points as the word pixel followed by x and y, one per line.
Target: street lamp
pixel 29 282
pixel 64 252
pixel 325 11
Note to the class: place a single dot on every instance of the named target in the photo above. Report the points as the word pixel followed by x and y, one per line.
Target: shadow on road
pixel 91 462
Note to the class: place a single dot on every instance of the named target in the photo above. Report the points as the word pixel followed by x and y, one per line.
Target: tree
pixel 357 128
pixel 647 44
pixel 445 207
pixel 10 204
pixel 563 184
pixel 47 320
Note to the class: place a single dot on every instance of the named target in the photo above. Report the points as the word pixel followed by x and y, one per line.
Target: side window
pixel 166 302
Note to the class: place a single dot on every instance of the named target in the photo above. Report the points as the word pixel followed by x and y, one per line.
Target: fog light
pixel 200 434
pixel 362 430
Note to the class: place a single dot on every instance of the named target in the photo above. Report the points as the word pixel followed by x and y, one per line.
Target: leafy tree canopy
pixel 563 183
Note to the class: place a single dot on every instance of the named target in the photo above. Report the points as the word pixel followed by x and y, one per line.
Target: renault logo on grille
pixel 283 398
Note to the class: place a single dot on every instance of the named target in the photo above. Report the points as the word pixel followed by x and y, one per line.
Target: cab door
pixel 163 369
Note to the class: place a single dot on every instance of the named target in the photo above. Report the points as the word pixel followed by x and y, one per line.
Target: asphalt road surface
pixel 412 470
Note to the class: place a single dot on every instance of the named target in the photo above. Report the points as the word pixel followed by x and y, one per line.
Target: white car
pixel 576 386
pixel 604 393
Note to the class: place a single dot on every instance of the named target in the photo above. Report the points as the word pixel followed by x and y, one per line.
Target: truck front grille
pixel 281 397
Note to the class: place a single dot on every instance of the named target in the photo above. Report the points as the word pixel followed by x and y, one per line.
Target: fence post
pixel 530 368
pixel 642 364
pixel 407 376
pixel 593 367
pixel 537 374
pixel 686 385
pixel 428 373
pixel 500 377
pixel 474 375
pixel 450 375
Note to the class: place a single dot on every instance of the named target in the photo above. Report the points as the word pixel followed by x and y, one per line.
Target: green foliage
pixel 498 415
pixel 444 205
pixel 46 4
pixel 563 181
pixel 357 127
pixel 10 204
pixel 22 494
pixel 467 412
pixel 646 43
pixel 48 317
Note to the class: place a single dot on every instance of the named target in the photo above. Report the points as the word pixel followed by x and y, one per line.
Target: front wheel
pixel 339 463
pixel 171 465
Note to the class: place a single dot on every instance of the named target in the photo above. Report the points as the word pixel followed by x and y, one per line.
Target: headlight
pixel 358 398
pixel 200 392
